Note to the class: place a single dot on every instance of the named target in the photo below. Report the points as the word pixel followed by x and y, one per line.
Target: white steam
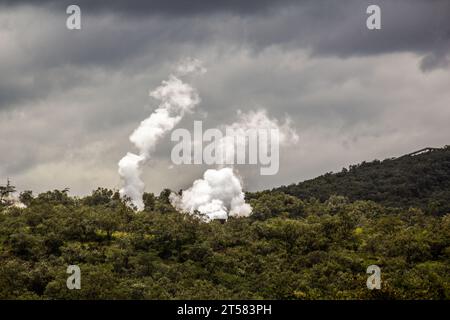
pixel 176 98
pixel 12 201
pixel 260 120
pixel 251 121
pixel 218 195
pixel 190 65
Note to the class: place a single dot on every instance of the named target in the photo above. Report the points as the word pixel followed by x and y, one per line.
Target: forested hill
pixel 289 248
pixel 414 180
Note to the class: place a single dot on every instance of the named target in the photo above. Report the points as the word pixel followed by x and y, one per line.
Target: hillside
pixel 291 247
pixel 421 180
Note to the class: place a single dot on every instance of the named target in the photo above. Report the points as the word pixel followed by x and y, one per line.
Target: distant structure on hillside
pixel 421 151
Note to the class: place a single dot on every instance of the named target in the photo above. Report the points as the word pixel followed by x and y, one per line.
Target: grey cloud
pixel 69 100
pixel 435 60
pixel 161 7
pixel 336 28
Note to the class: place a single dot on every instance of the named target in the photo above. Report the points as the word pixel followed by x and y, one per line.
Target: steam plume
pixel 254 120
pixel 219 194
pixel 176 98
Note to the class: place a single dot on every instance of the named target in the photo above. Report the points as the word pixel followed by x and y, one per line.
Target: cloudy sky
pixel 69 99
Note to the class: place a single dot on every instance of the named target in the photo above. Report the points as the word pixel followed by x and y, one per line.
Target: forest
pixel 421 181
pixel 312 240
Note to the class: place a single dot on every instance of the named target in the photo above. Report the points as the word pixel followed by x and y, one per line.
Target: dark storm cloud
pixel 421 27
pixel 112 38
pixel 11 94
pixel 71 98
pixel 325 27
pixel 339 28
pixel 164 7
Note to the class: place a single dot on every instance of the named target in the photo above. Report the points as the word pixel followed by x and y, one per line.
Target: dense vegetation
pixel 289 249
pixel 314 245
pixel 421 181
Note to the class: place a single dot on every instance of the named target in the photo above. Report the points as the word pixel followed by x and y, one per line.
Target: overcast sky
pixel 69 99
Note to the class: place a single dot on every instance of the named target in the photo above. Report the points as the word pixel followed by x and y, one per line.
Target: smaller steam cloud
pixel 218 195
pixel 260 120
pixel 190 66
pixel 254 120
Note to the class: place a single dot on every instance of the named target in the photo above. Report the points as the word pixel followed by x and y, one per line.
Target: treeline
pixel 421 181
pixel 288 249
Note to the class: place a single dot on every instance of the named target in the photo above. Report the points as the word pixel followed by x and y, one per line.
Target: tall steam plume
pixel 176 98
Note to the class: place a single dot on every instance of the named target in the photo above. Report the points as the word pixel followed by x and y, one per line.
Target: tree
pixel 26 197
pixel 5 192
